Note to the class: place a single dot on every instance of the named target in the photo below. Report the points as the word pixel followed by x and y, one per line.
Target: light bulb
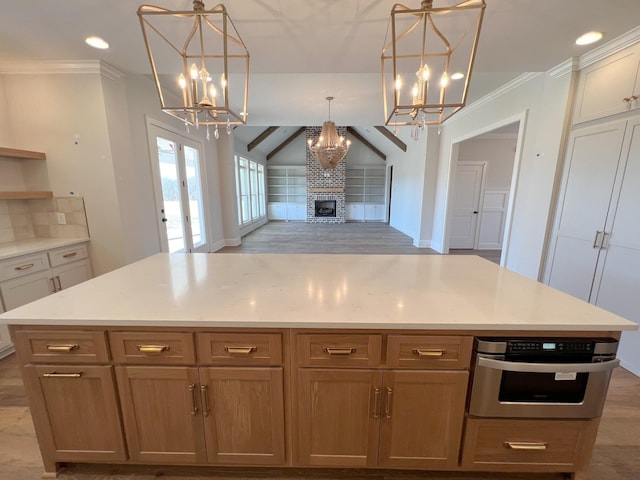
pixel 398 82
pixel 223 81
pixel 424 73
pixel 182 81
pixel 194 72
pixel 310 142
pixel 415 90
pixel 444 80
pixel 212 90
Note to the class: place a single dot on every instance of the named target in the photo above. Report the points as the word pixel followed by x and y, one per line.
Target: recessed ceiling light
pixel 96 42
pixel 457 76
pixel 588 38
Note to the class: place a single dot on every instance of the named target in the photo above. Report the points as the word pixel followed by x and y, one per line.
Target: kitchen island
pixel 293 360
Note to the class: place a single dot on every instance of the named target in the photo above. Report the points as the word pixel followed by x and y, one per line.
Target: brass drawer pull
pixel 422 353
pixel 69 255
pixel 152 349
pixel 26 266
pixel 63 348
pixel 194 400
pixel 526 445
pixel 339 351
pixel 387 407
pixel 204 394
pixel 240 350
pixel 376 402
pixel 62 375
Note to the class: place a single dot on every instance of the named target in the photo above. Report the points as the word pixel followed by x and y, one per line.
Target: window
pixel 250 190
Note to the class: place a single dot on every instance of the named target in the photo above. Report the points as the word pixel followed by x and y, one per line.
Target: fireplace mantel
pixel 326 190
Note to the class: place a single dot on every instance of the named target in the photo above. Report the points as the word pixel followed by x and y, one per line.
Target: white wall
pixel 541 101
pixel 408 189
pixel 6 130
pixel 497 152
pixel 292 154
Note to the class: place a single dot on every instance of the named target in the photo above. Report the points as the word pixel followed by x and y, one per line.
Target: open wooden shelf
pixel 25 195
pixel 21 154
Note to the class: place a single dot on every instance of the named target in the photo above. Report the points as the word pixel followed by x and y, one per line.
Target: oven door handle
pixel 548 367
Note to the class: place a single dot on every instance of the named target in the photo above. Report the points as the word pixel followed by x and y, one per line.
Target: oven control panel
pixel 542 346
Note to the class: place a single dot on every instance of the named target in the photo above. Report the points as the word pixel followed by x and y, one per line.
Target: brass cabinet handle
pixel 194 400
pixel 240 350
pixel 526 445
pixel 151 349
pixel 57 277
pixel 431 353
pixel 597 241
pixel 376 402
pixel 339 351
pixel 387 407
pixel 62 375
pixel 54 289
pixel 62 347
pixel 26 266
pixel 69 255
pixel 204 394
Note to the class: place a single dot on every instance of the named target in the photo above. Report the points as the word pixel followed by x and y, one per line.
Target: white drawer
pixel 69 254
pixel 23 265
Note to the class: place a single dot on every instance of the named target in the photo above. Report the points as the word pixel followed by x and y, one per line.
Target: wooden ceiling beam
pixel 291 138
pixel 366 142
pixel 256 141
pixel 396 141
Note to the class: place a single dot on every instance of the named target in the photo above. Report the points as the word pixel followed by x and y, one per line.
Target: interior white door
pixel 466 205
pixel 589 180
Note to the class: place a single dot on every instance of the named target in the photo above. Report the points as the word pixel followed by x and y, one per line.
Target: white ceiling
pixel 303 51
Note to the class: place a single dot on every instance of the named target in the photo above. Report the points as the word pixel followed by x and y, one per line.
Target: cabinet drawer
pixel 152 348
pixel 348 350
pixel 68 254
pixel 239 348
pixel 541 445
pixel 425 351
pixel 17 266
pixel 64 346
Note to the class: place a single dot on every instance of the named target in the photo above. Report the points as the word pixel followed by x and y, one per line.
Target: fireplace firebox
pixel 325 208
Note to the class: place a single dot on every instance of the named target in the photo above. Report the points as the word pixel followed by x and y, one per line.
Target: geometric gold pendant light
pixel 199 63
pixel 427 61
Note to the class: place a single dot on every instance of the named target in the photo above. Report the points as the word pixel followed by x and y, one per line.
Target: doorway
pixel 467 196
pixel 176 163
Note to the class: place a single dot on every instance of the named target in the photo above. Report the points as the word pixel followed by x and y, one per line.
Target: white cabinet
pixel 365 194
pixel 595 248
pixel 287 192
pixel 609 86
pixel 27 278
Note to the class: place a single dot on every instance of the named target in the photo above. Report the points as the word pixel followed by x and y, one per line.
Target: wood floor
pixel 337 238
pixel 616 455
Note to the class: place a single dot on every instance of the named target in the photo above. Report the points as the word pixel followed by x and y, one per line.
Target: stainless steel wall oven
pixel 541 377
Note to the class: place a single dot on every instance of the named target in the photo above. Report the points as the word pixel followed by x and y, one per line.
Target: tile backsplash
pixel 59 217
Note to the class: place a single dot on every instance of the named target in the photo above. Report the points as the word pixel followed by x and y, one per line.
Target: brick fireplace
pixel 325 185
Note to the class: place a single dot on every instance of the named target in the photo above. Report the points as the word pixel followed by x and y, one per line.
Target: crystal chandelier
pixel 330 148
pixel 426 55
pixel 199 63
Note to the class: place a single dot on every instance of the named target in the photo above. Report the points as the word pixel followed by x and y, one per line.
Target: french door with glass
pixel 178 183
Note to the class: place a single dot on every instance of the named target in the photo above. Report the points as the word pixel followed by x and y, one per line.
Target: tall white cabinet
pixel 594 253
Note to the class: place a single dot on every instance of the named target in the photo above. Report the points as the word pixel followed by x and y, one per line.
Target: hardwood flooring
pixel 616 455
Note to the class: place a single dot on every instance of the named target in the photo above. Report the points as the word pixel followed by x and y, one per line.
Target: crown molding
pixel 619 43
pixel 490 97
pixel 568 66
pixel 60 67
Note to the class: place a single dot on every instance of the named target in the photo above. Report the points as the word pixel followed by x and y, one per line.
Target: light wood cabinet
pixel 231 415
pixel 381 417
pixel 609 86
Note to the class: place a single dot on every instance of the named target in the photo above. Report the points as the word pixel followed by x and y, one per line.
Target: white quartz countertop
pixel 33 245
pixel 317 291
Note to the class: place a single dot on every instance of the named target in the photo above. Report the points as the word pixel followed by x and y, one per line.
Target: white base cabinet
pixel 287 211
pixel 363 212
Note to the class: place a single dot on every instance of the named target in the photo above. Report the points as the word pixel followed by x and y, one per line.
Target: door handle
pixel 475 212
pixel 597 241
pixel 164 219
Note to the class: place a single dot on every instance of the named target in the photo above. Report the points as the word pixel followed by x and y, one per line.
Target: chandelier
pixel 427 61
pixel 330 148
pixel 199 63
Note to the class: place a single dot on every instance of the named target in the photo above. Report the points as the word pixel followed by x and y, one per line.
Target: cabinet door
pixel 71 274
pixel 338 417
pixel 277 211
pixel 161 410
pixel 604 85
pixel 590 173
pixel 243 411
pixel 422 415
pixel 75 412
pixel 355 212
pixel 6 347
pixel 22 290
pixel 616 288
